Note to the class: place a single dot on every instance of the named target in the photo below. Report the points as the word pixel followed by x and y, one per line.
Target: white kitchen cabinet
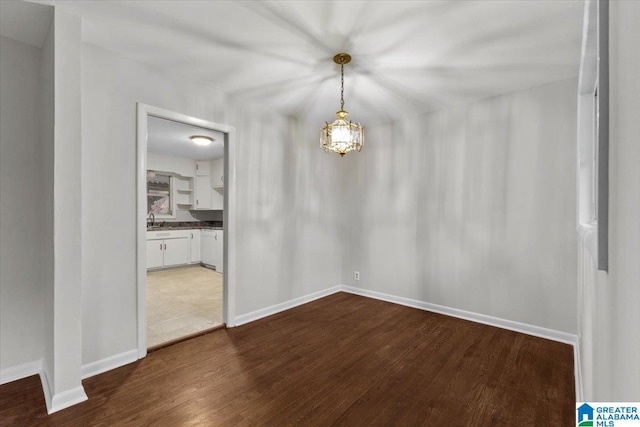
pixel 203 168
pixel 217 199
pixel 212 249
pixel 217 173
pixel 208 183
pixel 194 254
pixel 155 253
pixel 207 248
pixel 167 248
pixel 219 251
pixel 167 253
pixel 203 192
pixel 172 165
pixel 176 252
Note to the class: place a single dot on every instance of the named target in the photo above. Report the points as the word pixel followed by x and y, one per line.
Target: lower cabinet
pixel 182 247
pixel 212 248
pixel 155 253
pixel 194 253
pixel 219 251
pixel 167 252
pixel 206 252
pixel 168 248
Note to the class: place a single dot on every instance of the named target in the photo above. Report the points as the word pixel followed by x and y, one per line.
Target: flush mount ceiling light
pixel 201 139
pixel 342 136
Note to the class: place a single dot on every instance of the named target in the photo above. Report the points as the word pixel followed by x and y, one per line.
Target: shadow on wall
pixel 471 208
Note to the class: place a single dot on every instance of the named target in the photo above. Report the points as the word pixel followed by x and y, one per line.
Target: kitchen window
pixel 159 192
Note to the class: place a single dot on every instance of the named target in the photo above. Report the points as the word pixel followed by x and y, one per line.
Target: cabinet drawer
pixel 168 234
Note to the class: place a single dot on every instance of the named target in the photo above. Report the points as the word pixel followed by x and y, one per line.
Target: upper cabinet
pixel 209 184
pixel 203 167
pixel 217 173
pixel 203 184
pixel 194 184
pixel 203 193
pixel 174 165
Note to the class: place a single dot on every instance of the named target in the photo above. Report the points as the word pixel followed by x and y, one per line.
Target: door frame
pixel 229 214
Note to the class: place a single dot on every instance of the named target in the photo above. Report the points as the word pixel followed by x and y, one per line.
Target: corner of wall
pixel 577 369
pixel 46 385
pixel 58 401
pixel 65 399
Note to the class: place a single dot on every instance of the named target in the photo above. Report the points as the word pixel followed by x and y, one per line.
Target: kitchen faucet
pixel 151 218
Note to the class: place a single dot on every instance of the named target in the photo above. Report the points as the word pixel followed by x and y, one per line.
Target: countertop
pixel 156 228
pixel 187 225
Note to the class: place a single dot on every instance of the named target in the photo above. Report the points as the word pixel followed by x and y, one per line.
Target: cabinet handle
pixel 165 246
pixel 216 236
pixel 160 246
pixel 192 235
pixel 222 178
pixel 197 202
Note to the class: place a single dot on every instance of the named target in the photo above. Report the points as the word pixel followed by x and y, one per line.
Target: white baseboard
pixel 109 363
pixel 46 386
pixel 511 325
pixel 37 367
pixel 67 398
pixel 19 372
pixel 268 311
pixel 58 401
pixel 54 402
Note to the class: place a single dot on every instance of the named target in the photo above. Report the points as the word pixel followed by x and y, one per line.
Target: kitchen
pixel 185 237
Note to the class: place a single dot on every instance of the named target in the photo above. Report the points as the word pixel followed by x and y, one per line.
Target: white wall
pixel 21 205
pixel 287 233
pixel 47 80
pixel 624 217
pixel 67 326
pixel 609 303
pixel 471 208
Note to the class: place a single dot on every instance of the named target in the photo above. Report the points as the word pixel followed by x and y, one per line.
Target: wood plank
pixel 340 360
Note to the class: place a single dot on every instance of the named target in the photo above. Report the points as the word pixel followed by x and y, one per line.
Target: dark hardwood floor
pixel 341 360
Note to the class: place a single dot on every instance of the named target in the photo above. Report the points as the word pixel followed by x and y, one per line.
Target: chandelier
pixel 342 136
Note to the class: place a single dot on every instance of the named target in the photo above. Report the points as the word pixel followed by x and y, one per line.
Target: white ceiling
pixel 408 56
pixel 172 139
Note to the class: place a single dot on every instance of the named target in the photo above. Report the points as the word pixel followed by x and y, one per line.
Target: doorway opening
pixel 186 227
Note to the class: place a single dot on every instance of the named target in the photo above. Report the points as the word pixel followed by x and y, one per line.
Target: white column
pixel 66 388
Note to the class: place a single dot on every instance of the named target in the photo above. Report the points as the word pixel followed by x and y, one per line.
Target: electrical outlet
pixel 356 275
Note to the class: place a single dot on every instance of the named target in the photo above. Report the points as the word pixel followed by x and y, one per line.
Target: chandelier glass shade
pixel 342 135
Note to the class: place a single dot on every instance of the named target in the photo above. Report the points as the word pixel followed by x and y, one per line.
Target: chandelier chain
pixel 342 86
